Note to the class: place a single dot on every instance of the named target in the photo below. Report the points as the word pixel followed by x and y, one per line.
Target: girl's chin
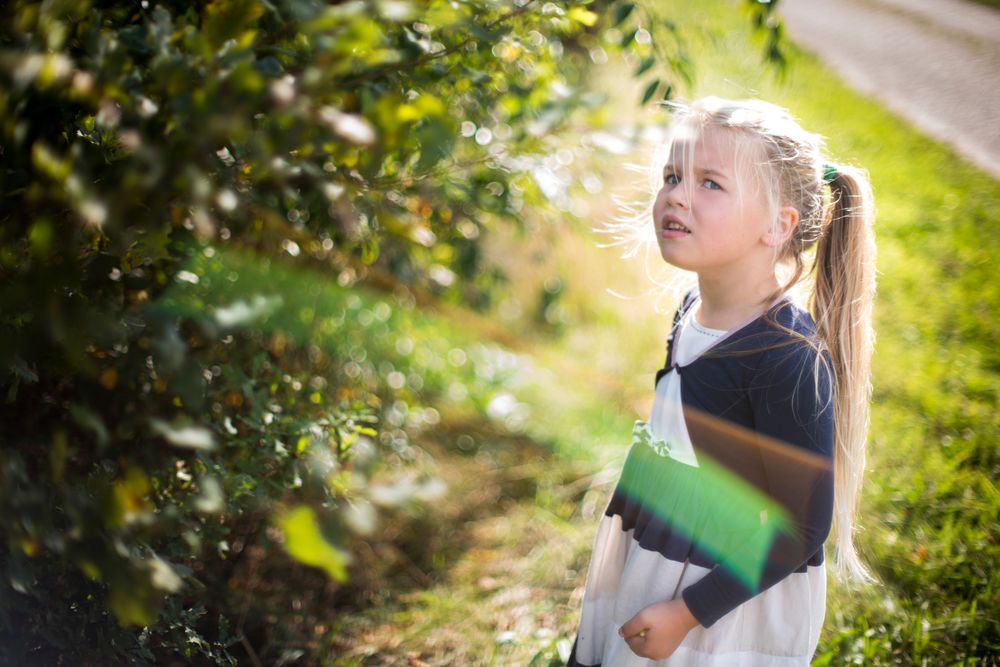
pixel 680 266
pixel 674 258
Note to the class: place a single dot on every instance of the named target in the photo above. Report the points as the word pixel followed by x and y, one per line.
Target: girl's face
pixel 707 215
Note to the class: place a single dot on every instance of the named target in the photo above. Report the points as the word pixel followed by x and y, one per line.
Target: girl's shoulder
pixel 790 350
pixel 782 342
pixel 792 318
pixel 789 322
pixel 785 324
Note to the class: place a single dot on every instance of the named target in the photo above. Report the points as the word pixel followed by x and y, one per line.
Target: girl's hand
pixel 657 630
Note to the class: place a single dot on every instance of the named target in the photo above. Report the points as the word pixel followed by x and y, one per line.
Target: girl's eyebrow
pixel 710 171
pixel 704 171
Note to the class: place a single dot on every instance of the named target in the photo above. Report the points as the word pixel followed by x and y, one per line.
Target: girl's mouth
pixel 673 228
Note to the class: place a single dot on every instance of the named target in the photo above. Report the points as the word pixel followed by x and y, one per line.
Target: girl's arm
pixel 793 419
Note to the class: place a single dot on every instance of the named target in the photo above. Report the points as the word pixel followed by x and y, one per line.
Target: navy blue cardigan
pixel 756 405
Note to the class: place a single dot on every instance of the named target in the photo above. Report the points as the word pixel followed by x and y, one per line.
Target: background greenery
pixel 308 355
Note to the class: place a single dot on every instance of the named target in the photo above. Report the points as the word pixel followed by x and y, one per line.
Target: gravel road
pixel 934 62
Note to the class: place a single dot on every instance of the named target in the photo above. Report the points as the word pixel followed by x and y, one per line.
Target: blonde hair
pixel 786 162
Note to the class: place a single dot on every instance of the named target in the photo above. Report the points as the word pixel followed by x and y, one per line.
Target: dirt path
pixel 934 62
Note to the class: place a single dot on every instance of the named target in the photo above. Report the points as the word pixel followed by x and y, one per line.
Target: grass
pixel 509 594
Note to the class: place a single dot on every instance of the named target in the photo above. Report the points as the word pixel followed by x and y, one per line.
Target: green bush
pixel 219 222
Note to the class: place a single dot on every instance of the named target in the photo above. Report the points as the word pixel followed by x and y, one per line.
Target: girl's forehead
pixel 707 147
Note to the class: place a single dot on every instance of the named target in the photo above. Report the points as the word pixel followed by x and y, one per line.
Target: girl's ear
pixel 778 234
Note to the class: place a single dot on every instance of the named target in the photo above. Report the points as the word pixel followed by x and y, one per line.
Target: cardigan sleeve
pixel 791 403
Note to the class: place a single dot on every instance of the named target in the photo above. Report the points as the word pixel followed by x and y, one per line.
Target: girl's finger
pixel 632 628
pixel 637 644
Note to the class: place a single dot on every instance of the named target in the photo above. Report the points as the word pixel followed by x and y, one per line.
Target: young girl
pixel 710 551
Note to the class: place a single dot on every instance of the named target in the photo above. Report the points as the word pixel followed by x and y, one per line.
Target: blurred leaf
pixel 211 499
pixel 186 436
pixel 582 15
pixel 133 604
pixel 622 11
pixel 650 90
pixel 305 542
pixel 644 66
pixel 57 455
pixel 241 313
pixel 163 575
pixel 229 19
pixel 269 66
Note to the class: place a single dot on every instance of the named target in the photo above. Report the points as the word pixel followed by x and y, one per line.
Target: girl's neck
pixel 726 304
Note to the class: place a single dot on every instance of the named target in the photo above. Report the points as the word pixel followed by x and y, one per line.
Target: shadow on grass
pixel 294 615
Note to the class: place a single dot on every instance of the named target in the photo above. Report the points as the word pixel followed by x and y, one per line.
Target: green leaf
pixel 582 15
pixel 435 142
pixel 131 596
pixel 133 38
pixel 622 12
pixel 227 19
pixel 269 66
pixel 305 543
pixel 369 251
pixel 647 95
pixel 644 66
pixel 488 35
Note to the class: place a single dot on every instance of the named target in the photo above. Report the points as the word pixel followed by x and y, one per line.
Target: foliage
pixel 197 199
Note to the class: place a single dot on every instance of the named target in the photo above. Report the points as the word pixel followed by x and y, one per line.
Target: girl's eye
pixel 671 179
pixel 712 185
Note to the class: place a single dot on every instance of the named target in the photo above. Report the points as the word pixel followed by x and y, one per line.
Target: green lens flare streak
pixel 718 511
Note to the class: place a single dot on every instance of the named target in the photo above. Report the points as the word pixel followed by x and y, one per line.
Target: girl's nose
pixel 677 195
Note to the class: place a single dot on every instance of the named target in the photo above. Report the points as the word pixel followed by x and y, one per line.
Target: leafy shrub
pixel 197 199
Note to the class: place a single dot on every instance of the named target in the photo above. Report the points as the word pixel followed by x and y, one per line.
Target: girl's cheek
pixel 661 198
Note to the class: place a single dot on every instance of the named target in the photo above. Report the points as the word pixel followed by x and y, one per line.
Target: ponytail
pixel 842 307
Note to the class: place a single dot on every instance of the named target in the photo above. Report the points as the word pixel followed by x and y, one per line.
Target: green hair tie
pixel 829 172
